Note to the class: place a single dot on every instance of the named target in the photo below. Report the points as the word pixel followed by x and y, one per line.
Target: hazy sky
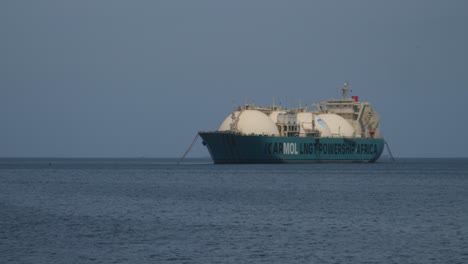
pixel 140 78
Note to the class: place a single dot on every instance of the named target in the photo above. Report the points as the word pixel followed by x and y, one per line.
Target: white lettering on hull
pixel 290 149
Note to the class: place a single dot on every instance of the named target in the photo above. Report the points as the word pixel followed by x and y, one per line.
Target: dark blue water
pixel 153 211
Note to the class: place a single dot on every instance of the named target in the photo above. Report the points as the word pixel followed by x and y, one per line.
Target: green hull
pixel 225 148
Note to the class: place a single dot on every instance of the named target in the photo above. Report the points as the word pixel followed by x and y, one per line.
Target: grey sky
pixel 140 78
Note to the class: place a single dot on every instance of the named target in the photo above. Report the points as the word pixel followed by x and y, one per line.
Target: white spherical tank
pixel 226 125
pixel 251 122
pixel 304 119
pixel 337 125
pixel 321 126
pixel 274 115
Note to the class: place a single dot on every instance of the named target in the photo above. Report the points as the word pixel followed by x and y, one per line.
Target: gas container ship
pixel 338 130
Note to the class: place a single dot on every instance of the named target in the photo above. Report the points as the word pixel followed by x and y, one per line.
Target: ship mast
pixel 346 88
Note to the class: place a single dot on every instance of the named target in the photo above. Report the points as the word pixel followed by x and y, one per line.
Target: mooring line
pixel 188 150
pixel 389 151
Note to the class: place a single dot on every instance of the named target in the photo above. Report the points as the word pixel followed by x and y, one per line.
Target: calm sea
pixel 154 211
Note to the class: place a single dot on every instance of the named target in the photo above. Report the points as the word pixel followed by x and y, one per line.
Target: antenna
pixel 346 88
